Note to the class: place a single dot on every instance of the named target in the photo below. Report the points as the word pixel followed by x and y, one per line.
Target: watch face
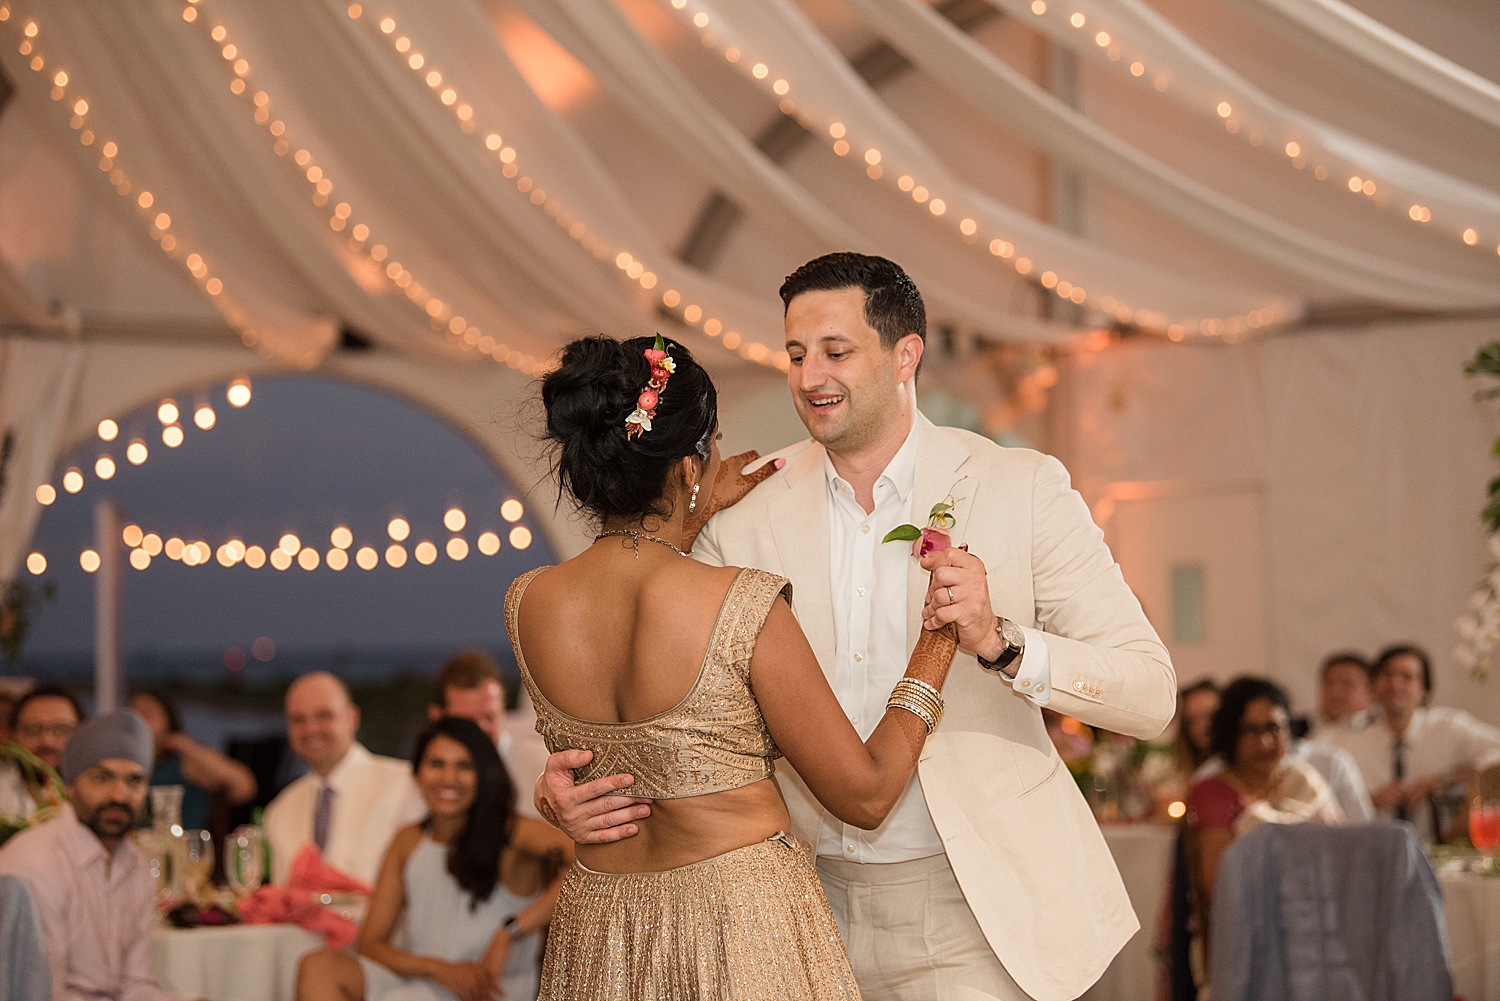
pixel 1013 634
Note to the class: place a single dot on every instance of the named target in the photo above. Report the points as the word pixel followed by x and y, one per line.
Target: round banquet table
pixel 231 963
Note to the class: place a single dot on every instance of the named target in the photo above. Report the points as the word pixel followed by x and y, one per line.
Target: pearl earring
pixel 693 501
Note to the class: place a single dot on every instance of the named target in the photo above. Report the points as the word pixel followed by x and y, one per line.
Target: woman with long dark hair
pixel 693 679
pixel 467 884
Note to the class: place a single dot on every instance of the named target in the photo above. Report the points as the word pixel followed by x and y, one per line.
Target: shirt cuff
pixel 1034 674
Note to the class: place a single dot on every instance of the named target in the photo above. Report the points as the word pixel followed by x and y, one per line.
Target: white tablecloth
pixel 232 963
pixel 1472 906
pixel 1143 854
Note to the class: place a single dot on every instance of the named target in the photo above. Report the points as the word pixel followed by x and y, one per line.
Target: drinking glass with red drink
pixel 1484 827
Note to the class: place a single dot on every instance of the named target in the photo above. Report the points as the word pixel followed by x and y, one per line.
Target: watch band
pixel 1008 654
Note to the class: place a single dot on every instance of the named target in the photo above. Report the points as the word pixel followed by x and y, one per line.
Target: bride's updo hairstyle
pixel 587 399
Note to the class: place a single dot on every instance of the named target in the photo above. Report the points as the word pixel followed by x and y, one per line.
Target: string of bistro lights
pixel 66 88
pixel 832 130
pixel 377 257
pixel 1298 153
pixel 634 267
pixel 145 546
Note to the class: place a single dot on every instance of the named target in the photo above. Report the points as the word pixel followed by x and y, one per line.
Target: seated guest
pixel 351 802
pixel 92 888
pixel 41 721
pixel 1259 782
pixel 181 761
pixel 1196 705
pixel 468 686
pixel 1343 692
pixel 1411 750
pixel 468 885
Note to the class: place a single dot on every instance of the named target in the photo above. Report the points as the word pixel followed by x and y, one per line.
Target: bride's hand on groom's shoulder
pixel 592 813
pixel 730 487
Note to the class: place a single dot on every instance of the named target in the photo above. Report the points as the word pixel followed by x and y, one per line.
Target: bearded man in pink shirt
pixel 91 886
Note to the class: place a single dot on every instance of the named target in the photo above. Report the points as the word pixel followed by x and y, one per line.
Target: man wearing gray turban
pixel 92 887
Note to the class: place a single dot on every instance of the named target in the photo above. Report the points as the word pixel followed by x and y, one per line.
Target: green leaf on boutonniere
pixel 902 533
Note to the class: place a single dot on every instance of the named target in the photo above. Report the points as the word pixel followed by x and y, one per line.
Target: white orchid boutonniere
pixel 934 538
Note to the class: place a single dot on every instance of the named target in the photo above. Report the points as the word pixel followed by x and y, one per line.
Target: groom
pixel 990 878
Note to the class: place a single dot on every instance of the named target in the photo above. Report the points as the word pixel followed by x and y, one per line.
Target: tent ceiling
pixel 636 139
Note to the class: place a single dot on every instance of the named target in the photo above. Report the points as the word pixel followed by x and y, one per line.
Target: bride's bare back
pixel 612 638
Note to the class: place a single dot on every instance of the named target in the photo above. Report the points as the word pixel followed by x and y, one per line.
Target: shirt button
pixel 858 657
pixel 865 529
pixel 859 591
pixel 1025 684
pixel 849 849
pixel 1040 688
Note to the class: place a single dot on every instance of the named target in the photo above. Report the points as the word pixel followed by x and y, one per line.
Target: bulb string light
pixel 636 269
pixel 1300 148
pixel 288 550
pixel 238 394
pixel 831 129
pixel 376 257
pixel 68 90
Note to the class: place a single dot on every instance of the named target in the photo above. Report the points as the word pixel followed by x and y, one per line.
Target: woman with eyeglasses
pixel 1260 782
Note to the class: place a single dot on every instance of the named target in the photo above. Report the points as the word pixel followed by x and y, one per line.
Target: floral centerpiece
pixel 1479 626
pixel 38 774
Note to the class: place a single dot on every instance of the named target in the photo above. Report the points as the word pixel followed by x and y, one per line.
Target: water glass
pixel 197 848
pixel 244 858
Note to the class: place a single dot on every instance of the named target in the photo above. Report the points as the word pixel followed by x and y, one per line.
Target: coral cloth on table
pixel 294 903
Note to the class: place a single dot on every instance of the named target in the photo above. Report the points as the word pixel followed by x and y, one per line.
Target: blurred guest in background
pixel 1196 705
pixel 181 761
pixel 7 705
pixel 468 686
pixel 93 890
pixel 41 721
pixel 1411 751
pixel 351 802
pixel 1260 782
pixel 1343 692
pixel 469 885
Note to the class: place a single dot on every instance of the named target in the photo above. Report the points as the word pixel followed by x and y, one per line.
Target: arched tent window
pixel 321 470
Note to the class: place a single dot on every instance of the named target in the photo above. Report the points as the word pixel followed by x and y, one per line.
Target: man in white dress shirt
pixel 351 802
pixel 990 878
pixel 1411 750
pixel 1343 693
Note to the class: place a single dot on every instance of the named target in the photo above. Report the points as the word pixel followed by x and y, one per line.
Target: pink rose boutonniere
pixel 934 538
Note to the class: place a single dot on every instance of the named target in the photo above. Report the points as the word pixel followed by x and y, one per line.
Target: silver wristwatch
pixel 1015 646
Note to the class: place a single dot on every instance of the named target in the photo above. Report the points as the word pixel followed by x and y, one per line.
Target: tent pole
pixel 107 607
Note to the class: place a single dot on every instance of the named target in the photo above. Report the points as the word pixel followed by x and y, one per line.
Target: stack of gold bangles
pixel 918 698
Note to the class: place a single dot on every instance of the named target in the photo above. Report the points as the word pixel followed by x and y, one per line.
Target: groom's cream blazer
pixel 1019 836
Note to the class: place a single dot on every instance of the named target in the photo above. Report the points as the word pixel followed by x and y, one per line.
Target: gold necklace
pixel 638 536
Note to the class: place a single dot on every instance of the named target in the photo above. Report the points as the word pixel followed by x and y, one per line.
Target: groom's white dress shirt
pixel 870 648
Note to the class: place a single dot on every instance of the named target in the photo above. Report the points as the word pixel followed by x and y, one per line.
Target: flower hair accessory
pixel 662 367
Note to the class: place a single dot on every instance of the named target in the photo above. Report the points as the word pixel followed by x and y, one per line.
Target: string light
pixel 341 537
pixel 967 227
pixel 337 559
pixel 398 529
pixel 46 494
pixel 72 481
pixel 171 435
pixel 512 510
pixel 37 564
pixel 366 558
pixel 88 560
pixel 1256 135
pixel 457 548
pixel 238 393
pixel 395 555
pixel 104 467
pixel 289 544
pixel 132 535
pixel 167 413
pixel 454 519
pixel 205 417
pixel 520 537
pixel 426 553
pixel 488 543
pixel 108 430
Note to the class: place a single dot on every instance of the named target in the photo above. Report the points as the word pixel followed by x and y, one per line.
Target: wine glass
pixel 197 863
pixel 1484 826
pixel 244 855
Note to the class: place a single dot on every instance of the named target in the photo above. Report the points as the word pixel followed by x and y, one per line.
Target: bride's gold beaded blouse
pixel 713 740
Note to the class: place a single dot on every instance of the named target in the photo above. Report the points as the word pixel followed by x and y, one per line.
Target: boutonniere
pixel 934 538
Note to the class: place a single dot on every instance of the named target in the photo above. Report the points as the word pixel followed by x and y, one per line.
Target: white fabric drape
pixel 950 56
pixel 38 385
pixel 828 90
pixel 1366 39
pixel 1199 81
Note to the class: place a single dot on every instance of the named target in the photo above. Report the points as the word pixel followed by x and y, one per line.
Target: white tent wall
pixel 1336 477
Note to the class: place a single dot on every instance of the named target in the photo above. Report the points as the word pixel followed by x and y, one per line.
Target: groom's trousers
pixel 910 933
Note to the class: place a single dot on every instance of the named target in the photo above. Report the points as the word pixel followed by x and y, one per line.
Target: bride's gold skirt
pixel 751 923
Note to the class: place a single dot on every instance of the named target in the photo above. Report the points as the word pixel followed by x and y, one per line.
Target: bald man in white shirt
pixel 990 878
pixel 351 802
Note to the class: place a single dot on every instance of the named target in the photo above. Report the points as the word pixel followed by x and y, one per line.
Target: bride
pixel 694 679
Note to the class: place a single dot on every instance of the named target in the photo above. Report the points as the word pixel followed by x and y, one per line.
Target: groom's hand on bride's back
pixel 592 813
